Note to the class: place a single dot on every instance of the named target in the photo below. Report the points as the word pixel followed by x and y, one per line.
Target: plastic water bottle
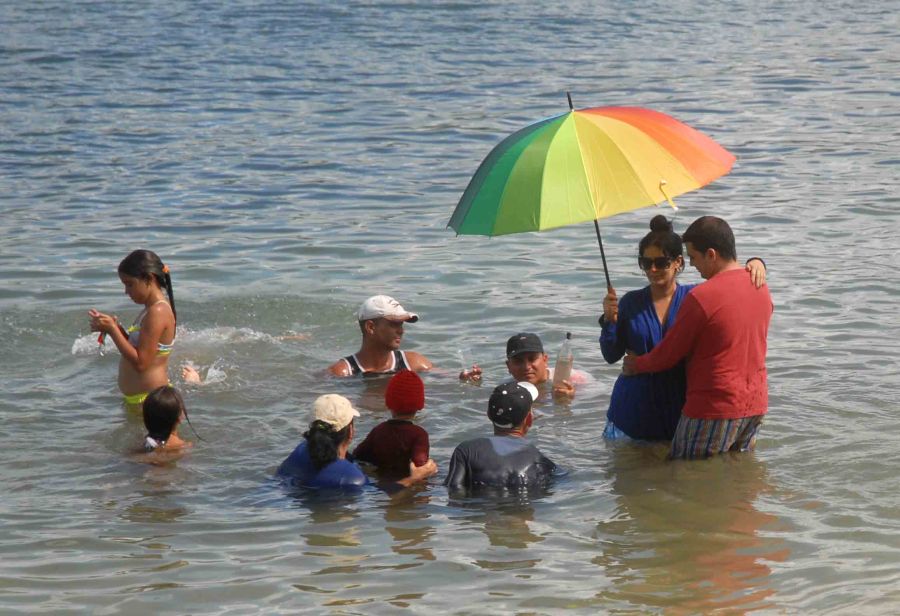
pixel 564 360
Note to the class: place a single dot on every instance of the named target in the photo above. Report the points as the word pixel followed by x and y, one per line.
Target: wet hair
pixel 322 441
pixel 711 232
pixel 163 408
pixel 663 237
pixel 145 264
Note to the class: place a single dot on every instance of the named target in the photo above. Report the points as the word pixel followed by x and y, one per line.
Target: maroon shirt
pixel 392 444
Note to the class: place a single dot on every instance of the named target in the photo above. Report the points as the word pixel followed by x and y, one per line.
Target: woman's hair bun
pixel 660 223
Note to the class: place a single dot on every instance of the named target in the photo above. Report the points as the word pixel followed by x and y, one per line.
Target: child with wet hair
pixel 163 411
pixel 393 444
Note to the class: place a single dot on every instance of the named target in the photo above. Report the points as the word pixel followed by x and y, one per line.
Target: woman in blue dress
pixel 648 406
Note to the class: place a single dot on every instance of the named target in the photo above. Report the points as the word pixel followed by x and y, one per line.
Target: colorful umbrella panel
pixel 585 165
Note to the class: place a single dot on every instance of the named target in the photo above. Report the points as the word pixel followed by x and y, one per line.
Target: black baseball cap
pixel 510 402
pixel 523 342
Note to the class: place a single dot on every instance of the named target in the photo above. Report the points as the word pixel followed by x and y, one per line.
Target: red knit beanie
pixel 405 393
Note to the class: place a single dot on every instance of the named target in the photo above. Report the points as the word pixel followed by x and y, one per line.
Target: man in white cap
pixel 381 320
pixel 506 459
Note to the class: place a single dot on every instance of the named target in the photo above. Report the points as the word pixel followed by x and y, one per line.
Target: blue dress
pixel 645 406
pixel 299 469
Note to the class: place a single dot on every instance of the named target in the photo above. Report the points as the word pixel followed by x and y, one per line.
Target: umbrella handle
pixel 602 255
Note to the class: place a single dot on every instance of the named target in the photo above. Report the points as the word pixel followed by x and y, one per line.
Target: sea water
pixel 289 159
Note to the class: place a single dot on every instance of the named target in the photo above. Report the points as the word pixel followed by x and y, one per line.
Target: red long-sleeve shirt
pixel 392 444
pixel 721 329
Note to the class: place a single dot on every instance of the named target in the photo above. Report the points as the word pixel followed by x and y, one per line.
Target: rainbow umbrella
pixel 584 165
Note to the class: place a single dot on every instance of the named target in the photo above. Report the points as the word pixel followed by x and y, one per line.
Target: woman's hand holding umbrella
pixel 610 306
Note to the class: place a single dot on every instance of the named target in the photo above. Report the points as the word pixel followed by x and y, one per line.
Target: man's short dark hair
pixel 711 232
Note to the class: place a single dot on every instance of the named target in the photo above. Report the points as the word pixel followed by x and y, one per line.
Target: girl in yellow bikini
pixel 145 346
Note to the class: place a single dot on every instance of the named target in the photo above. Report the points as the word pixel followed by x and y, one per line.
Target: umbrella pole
pixel 602 255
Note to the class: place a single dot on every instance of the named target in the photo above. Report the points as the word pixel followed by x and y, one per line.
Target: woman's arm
pixel 156 322
pixel 757 269
pixel 612 345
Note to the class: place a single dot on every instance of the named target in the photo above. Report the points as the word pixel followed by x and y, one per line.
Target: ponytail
pixel 322 442
pixel 167 283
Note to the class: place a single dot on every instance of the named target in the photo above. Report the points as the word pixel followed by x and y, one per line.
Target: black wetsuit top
pixel 499 461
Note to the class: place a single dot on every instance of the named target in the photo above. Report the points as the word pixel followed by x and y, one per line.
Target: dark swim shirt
pixel 498 461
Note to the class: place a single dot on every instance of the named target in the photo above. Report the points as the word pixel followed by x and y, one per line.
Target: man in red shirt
pixel 721 332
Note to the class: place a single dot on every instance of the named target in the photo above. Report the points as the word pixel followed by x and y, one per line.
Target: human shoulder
pixel 158 316
pixel 473 444
pixel 634 300
pixel 417 361
pixel 161 307
pixel 340 368
pixel 720 285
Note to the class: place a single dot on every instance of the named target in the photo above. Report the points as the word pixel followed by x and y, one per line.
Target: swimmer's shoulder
pixel 418 362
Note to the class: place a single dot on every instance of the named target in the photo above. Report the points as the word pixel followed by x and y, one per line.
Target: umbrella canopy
pixel 585 165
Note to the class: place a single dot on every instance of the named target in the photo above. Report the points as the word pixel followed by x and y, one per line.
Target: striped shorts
pixel 703 438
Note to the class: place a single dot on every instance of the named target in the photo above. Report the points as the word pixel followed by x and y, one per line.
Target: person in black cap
pixel 527 361
pixel 505 459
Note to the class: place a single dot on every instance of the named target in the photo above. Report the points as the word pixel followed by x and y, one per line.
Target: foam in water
pixel 222 336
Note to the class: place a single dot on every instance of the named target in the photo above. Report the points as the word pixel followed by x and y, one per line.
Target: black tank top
pixel 400 363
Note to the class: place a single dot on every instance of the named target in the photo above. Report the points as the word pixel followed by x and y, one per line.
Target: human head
pixel 665 239
pixel 332 425
pixel 509 406
pixel 147 266
pixel 710 245
pixel 381 320
pixel 405 393
pixel 163 409
pixel 525 358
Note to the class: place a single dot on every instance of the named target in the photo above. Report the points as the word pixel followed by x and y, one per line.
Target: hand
pixel 610 306
pixel 757 272
pixel 102 322
pixel 628 364
pixel 421 473
pixel 190 374
pixel 473 374
pixel 564 389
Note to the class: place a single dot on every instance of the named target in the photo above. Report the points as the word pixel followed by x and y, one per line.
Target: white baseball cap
pixel 334 410
pixel 384 307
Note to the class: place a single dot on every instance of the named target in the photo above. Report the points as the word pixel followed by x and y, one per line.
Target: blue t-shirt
pixel 645 406
pixel 298 467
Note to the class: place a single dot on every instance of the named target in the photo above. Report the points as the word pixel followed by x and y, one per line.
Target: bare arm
pixel 418 474
pixel 157 321
pixel 339 368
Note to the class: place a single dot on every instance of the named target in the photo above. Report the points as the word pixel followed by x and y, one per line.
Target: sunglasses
pixel 660 263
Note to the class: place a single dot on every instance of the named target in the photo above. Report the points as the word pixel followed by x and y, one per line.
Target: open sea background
pixel 288 159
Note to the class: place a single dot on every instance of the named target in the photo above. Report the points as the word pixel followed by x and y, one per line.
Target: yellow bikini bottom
pixel 136 401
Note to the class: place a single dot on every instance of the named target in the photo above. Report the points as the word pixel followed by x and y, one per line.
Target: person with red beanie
pixel 392 444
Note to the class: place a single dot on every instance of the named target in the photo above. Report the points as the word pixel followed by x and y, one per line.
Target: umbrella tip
pixel 569 96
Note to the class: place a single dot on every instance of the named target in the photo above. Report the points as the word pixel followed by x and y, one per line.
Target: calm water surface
pixel 289 159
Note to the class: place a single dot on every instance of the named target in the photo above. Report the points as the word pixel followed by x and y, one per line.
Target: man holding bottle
pixel 527 361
